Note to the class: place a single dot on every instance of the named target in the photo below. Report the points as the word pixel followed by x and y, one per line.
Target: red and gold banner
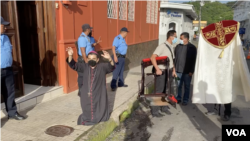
pixel 221 34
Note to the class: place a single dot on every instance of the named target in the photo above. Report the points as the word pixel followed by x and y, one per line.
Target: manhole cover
pixel 59 130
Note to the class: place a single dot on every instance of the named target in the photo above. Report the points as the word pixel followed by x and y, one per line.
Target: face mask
pixel 92 63
pixel 181 42
pixel 174 41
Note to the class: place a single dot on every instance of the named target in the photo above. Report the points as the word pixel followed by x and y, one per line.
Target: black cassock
pixel 93 92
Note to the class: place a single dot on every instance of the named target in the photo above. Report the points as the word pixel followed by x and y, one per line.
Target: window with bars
pixel 148 11
pixel 156 12
pixel 131 10
pixel 122 10
pixel 152 12
pixel 112 9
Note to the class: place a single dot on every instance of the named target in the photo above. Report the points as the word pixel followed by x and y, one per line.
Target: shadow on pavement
pixel 134 128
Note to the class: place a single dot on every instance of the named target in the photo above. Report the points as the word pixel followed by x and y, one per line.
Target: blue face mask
pixel 174 41
pixel 181 42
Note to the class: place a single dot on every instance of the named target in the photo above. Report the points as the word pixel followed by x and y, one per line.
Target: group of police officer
pixel 86 43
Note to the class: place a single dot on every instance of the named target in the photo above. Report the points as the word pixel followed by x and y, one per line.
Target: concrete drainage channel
pixel 101 131
pixel 135 127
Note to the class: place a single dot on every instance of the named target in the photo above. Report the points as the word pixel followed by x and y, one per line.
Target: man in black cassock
pixel 93 92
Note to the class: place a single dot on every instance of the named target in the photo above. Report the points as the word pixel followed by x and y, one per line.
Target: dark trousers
pixel 79 81
pixel 161 87
pixel 186 79
pixel 228 109
pixel 8 90
pixel 118 73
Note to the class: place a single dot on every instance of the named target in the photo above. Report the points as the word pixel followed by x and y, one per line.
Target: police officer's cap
pixel 124 29
pixel 86 26
pixel 4 22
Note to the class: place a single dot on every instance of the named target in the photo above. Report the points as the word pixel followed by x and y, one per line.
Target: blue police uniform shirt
pixel 6 52
pixel 92 41
pixel 84 41
pixel 120 45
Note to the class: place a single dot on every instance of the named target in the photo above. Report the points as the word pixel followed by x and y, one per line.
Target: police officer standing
pixel 7 75
pixel 119 51
pixel 84 47
pixel 84 44
pixel 92 40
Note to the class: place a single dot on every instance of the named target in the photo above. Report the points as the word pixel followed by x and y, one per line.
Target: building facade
pixel 40 32
pixel 196 25
pixel 176 16
pixel 242 15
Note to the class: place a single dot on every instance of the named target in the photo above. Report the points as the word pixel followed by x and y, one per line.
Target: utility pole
pixel 201 4
pixel 200 20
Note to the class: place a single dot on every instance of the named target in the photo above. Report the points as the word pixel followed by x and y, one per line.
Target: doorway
pixel 28 33
pixel 172 26
pixel 32 33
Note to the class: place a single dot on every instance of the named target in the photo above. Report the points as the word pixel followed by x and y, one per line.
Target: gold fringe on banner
pixel 222 54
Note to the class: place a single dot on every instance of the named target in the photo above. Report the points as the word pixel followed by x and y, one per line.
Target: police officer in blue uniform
pixel 84 47
pixel 7 75
pixel 84 44
pixel 119 53
pixel 92 40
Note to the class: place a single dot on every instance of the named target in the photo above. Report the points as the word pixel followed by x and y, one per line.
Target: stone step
pixel 33 96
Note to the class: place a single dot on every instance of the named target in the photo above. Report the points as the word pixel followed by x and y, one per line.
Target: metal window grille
pixel 148 11
pixel 152 12
pixel 112 9
pixel 131 10
pixel 122 10
pixel 156 11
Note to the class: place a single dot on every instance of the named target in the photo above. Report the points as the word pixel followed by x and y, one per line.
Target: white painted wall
pixel 187 26
pixel 183 24
pixel 242 15
pixel 165 20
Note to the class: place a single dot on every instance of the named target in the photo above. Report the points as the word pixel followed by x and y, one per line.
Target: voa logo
pixel 236 132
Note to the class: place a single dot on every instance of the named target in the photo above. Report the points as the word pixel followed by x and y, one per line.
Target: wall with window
pixel 168 22
pixel 174 19
pixel 106 18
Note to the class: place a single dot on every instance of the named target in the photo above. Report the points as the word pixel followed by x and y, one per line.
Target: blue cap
pixel 86 26
pixel 4 22
pixel 124 29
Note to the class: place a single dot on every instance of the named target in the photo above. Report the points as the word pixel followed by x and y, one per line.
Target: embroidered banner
pixel 221 34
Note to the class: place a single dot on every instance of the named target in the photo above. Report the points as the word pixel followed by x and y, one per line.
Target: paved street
pixel 187 123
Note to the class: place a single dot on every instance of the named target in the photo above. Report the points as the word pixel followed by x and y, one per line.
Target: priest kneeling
pixel 93 92
pixel 221 70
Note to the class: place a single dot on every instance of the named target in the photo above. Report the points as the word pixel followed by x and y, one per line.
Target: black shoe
pixel 158 115
pixel 123 86
pixel 226 118
pixel 17 117
pixel 113 89
pixel 179 101
pixel 167 112
pixel 184 103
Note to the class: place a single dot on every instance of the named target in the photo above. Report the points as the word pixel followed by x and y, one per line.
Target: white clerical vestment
pixel 220 73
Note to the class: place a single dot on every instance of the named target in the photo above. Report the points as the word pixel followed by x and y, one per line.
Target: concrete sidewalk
pixel 65 110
